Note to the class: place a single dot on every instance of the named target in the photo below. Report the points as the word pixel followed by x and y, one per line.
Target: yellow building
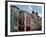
pixel 35 23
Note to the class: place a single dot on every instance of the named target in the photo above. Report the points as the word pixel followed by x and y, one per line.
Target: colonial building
pixel 36 22
pixel 28 22
pixel 24 21
pixel 14 18
pixel 21 21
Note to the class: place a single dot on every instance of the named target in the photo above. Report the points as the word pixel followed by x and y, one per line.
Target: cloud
pixel 29 9
pixel 40 15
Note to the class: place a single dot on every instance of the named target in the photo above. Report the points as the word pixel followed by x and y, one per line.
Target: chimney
pixel 36 13
pixel 32 12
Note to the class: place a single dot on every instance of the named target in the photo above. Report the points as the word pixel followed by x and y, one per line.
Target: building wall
pixel 35 22
pixel 14 19
pixel 21 21
pixel 28 21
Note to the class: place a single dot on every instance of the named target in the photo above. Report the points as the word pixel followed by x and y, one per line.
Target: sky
pixel 30 8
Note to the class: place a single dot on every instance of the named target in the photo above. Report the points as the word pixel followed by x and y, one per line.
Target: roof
pixel 15 7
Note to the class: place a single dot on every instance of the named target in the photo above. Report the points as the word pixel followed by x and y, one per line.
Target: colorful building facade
pixel 24 21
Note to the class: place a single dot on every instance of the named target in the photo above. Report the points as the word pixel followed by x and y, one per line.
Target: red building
pixel 21 21
pixel 28 22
